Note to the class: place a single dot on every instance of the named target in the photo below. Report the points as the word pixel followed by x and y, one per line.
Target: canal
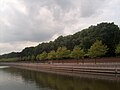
pixel 19 79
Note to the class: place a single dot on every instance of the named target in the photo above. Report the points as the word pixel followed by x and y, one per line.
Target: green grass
pixel 9 59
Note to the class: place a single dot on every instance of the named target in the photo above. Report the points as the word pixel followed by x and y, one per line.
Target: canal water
pixel 19 79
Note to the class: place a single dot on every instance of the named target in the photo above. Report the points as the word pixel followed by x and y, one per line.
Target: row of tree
pixel 98 49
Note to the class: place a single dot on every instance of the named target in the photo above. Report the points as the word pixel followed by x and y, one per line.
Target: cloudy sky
pixel 30 22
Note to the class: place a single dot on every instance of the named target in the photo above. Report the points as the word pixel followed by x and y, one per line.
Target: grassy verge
pixel 9 60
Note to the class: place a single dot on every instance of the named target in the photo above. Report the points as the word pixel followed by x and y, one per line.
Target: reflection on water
pixel 4 66
pixel 18 79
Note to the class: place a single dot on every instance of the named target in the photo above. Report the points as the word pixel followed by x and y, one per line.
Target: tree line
pixel 98 49
pixel 106 33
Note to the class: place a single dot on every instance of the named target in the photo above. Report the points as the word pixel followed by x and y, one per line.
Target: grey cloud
pixel 65 4
pixel 61 13
pixel 42 20
pixel 90 7
pixel 28 27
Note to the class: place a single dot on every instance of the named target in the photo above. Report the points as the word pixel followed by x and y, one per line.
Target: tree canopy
pixel 97 49
pixel 52 55
pixel 62 53
pixel 118 49
pixel 43 56
pixel 108 33
pixel 77 53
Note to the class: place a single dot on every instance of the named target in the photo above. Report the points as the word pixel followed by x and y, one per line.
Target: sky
pixel 25 23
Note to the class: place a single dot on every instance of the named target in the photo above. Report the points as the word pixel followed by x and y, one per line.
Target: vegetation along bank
pixel 102 40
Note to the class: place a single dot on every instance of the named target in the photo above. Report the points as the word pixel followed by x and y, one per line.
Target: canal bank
pixel 22 79
pixel 109 71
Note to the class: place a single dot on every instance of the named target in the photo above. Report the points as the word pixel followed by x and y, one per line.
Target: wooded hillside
pixel 108 33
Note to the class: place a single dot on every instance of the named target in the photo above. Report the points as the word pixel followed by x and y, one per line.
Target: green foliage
pixel 10 55
pixel 97 49
pixel 29 58
pixel 77 53
pixel 118 49
pixel 9 59
pixel 25 58
pixel 28 51
pixel 52 55
pixel 33 58
pixel 108 33
pixel 38 57
pixel 62 53
pixel 43 56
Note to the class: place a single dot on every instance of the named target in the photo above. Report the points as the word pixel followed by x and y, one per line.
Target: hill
pixel 108 33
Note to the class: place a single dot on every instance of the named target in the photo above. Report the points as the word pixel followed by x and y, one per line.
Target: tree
pixel 62 53
pixel 43 56
pixel 25 58
pixel 97 49
pixel 52 55
pixel 77 53
pixel 33 57
pixel 117 51
pixel 38 57
pixel 29 58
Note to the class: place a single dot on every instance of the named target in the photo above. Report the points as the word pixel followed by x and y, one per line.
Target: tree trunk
pixel 82 60
pixel 95 61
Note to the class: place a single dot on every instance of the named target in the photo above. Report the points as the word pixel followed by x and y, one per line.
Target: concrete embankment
pixel 109 70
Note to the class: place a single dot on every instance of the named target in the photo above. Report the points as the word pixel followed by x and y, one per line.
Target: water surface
pixel 19 79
